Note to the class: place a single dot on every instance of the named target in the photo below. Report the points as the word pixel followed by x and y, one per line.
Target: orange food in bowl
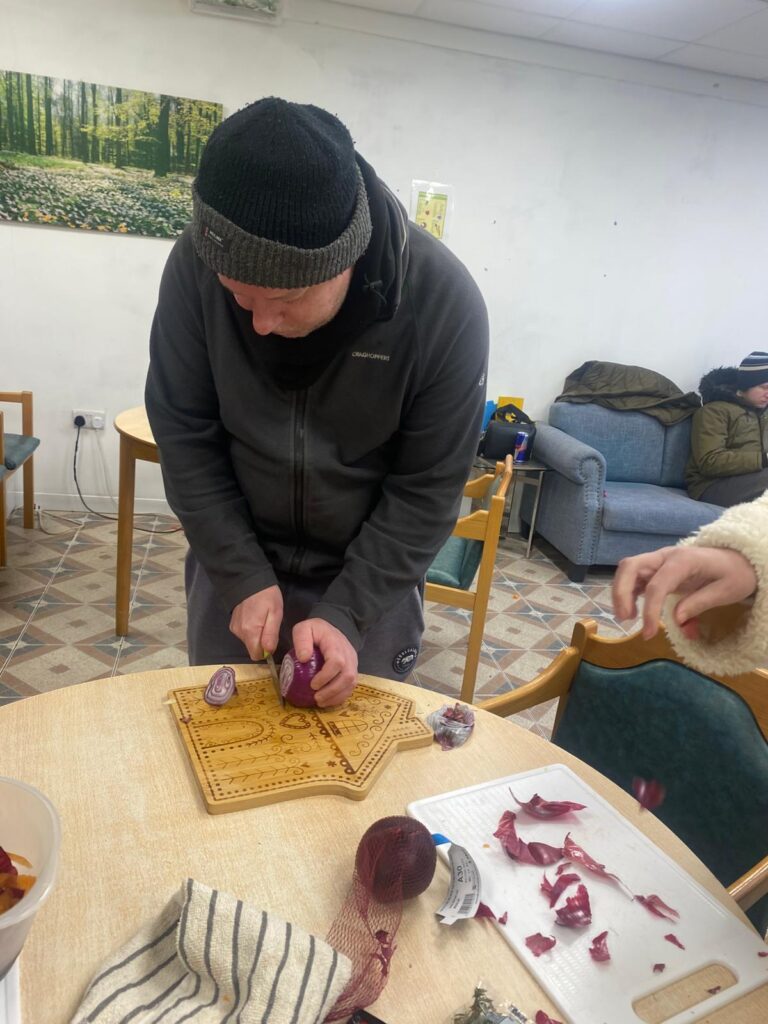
pixel 13 886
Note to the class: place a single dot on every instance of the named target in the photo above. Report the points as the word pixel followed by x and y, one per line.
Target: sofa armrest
pixel 576 461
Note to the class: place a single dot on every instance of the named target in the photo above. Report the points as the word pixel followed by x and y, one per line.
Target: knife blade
pixel 275 678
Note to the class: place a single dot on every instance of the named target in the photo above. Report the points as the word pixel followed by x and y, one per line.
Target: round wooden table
pixel 109 756
pixel 136 442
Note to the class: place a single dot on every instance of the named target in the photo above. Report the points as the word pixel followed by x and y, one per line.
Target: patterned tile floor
pixel 57 608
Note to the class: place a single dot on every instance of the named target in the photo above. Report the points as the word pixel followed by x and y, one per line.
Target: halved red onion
pixel 599 948
pixel 517 849
pixel 657 906
pixel 554 892
pixel 544 1018
pixel 674 940
pixel 539 943
pixel 658 968
pixel 576 911
pixel 650 793
pixel 540 808
pixel 296 678
pixel 221 686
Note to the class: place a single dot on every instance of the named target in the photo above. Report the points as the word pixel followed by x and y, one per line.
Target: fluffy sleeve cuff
pixel 744 528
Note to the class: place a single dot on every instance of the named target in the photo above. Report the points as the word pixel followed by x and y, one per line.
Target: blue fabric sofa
pixel 615 485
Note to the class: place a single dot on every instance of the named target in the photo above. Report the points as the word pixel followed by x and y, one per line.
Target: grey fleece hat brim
pixel 228 250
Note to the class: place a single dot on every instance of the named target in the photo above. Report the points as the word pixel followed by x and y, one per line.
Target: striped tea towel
pixel 213 959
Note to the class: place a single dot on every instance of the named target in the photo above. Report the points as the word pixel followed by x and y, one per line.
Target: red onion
pixel 396 859
pixel 554 892
pixel 599 948
pixel 296 677
pixel 221 686
pixel 649 792
pixel 576 911
pixel 539 943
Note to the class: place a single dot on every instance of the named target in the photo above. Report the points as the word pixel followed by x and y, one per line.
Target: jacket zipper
pixel 299 421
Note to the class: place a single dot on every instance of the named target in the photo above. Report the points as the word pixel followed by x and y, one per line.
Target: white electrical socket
pixel 94 418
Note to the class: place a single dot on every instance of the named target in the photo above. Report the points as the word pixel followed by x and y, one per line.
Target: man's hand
pixel 337 678
pixel 704 577
pixel 256 621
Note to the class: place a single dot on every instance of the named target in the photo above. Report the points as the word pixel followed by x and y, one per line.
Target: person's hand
pixel 337 678
pixel 256 621
pixel 704 577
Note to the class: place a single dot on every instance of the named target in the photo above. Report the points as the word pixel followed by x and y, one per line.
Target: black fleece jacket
pixel 346 467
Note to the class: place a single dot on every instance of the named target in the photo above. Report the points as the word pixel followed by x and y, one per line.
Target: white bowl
pixel 29 826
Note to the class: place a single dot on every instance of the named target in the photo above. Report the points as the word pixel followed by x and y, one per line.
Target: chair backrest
pixel 633 709
pixel 637 448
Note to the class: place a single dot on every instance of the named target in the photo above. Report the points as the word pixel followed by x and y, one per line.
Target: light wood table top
pixel 107 753
pixel 133 423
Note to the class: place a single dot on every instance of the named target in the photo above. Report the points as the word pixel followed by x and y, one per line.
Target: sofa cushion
pixel 677 449
pixel 631 442
pixel 646 508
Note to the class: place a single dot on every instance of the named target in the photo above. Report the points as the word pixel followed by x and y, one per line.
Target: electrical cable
pixel 102 515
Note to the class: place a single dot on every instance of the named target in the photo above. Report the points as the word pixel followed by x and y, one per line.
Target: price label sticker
pixel 463 897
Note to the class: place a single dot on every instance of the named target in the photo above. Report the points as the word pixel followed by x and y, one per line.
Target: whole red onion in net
pixel 396 859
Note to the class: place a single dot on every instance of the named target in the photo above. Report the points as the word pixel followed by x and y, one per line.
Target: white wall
pixel 609 208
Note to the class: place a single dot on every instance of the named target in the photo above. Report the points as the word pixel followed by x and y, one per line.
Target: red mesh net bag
pixel 395 861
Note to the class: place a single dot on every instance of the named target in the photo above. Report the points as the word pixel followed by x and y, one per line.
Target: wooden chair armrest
pixel 553 682
pixel 23 398
pixel 752 886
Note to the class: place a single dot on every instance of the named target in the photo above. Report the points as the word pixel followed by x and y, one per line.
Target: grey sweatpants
pixel 390 648
pixel 733 490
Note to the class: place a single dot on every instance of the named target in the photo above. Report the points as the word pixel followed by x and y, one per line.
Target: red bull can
pixel 522 451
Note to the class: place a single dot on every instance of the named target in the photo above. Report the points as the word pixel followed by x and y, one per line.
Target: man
pixel 316 388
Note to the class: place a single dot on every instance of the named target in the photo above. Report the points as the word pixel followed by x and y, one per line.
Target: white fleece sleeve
pixel 743 528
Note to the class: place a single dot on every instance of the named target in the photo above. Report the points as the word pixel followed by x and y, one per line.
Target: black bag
pixel 498 441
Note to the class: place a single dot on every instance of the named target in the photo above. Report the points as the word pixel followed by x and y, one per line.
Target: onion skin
pixel 396 859
pixel 296 678
pixel 221 686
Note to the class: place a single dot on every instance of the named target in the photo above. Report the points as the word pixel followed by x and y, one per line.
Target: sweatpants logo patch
pixel 404 660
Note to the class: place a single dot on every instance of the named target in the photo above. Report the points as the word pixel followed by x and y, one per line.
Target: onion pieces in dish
pixel 540 808
pixel 13 886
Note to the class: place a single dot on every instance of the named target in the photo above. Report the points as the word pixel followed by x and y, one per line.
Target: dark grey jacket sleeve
pixel 421 495
pixel 183 409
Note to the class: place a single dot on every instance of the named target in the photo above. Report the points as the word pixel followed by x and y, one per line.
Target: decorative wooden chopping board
pixel 252 751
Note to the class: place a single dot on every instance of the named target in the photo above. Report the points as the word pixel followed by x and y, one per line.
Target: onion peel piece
pixel 539 943
pixel 657 906
pixel 537 807
pixel 576 911
pixel 658 968
pixel 554 892
pixel 599 948
pixel 517 849
pixel 544 1018
pixel 649 793
pixel 674 940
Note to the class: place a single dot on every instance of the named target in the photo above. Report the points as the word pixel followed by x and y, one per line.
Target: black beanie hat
pixel 753 370
pixel 279 200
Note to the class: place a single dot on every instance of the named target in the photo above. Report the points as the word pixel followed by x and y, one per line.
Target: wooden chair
pixel 17 450
pixel 471 549
pixel 630 707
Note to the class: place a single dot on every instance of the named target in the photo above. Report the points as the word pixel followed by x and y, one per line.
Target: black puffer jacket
pixel 350 473
pixel 728 437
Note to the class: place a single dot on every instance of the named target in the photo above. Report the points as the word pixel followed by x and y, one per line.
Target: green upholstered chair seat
pixel 456 563
pixel 458 560
pixel 664 721
pixel 18 448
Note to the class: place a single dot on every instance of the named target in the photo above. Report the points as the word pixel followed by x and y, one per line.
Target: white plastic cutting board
pixel 584 991
pixel 10 1006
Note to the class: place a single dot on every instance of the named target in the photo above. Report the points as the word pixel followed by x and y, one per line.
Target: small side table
pixel 530 473
pixel 136 442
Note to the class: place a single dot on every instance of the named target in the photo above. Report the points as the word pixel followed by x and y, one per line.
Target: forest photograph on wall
pixel 99 157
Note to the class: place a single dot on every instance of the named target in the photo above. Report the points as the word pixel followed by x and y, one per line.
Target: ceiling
pixel 729 37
